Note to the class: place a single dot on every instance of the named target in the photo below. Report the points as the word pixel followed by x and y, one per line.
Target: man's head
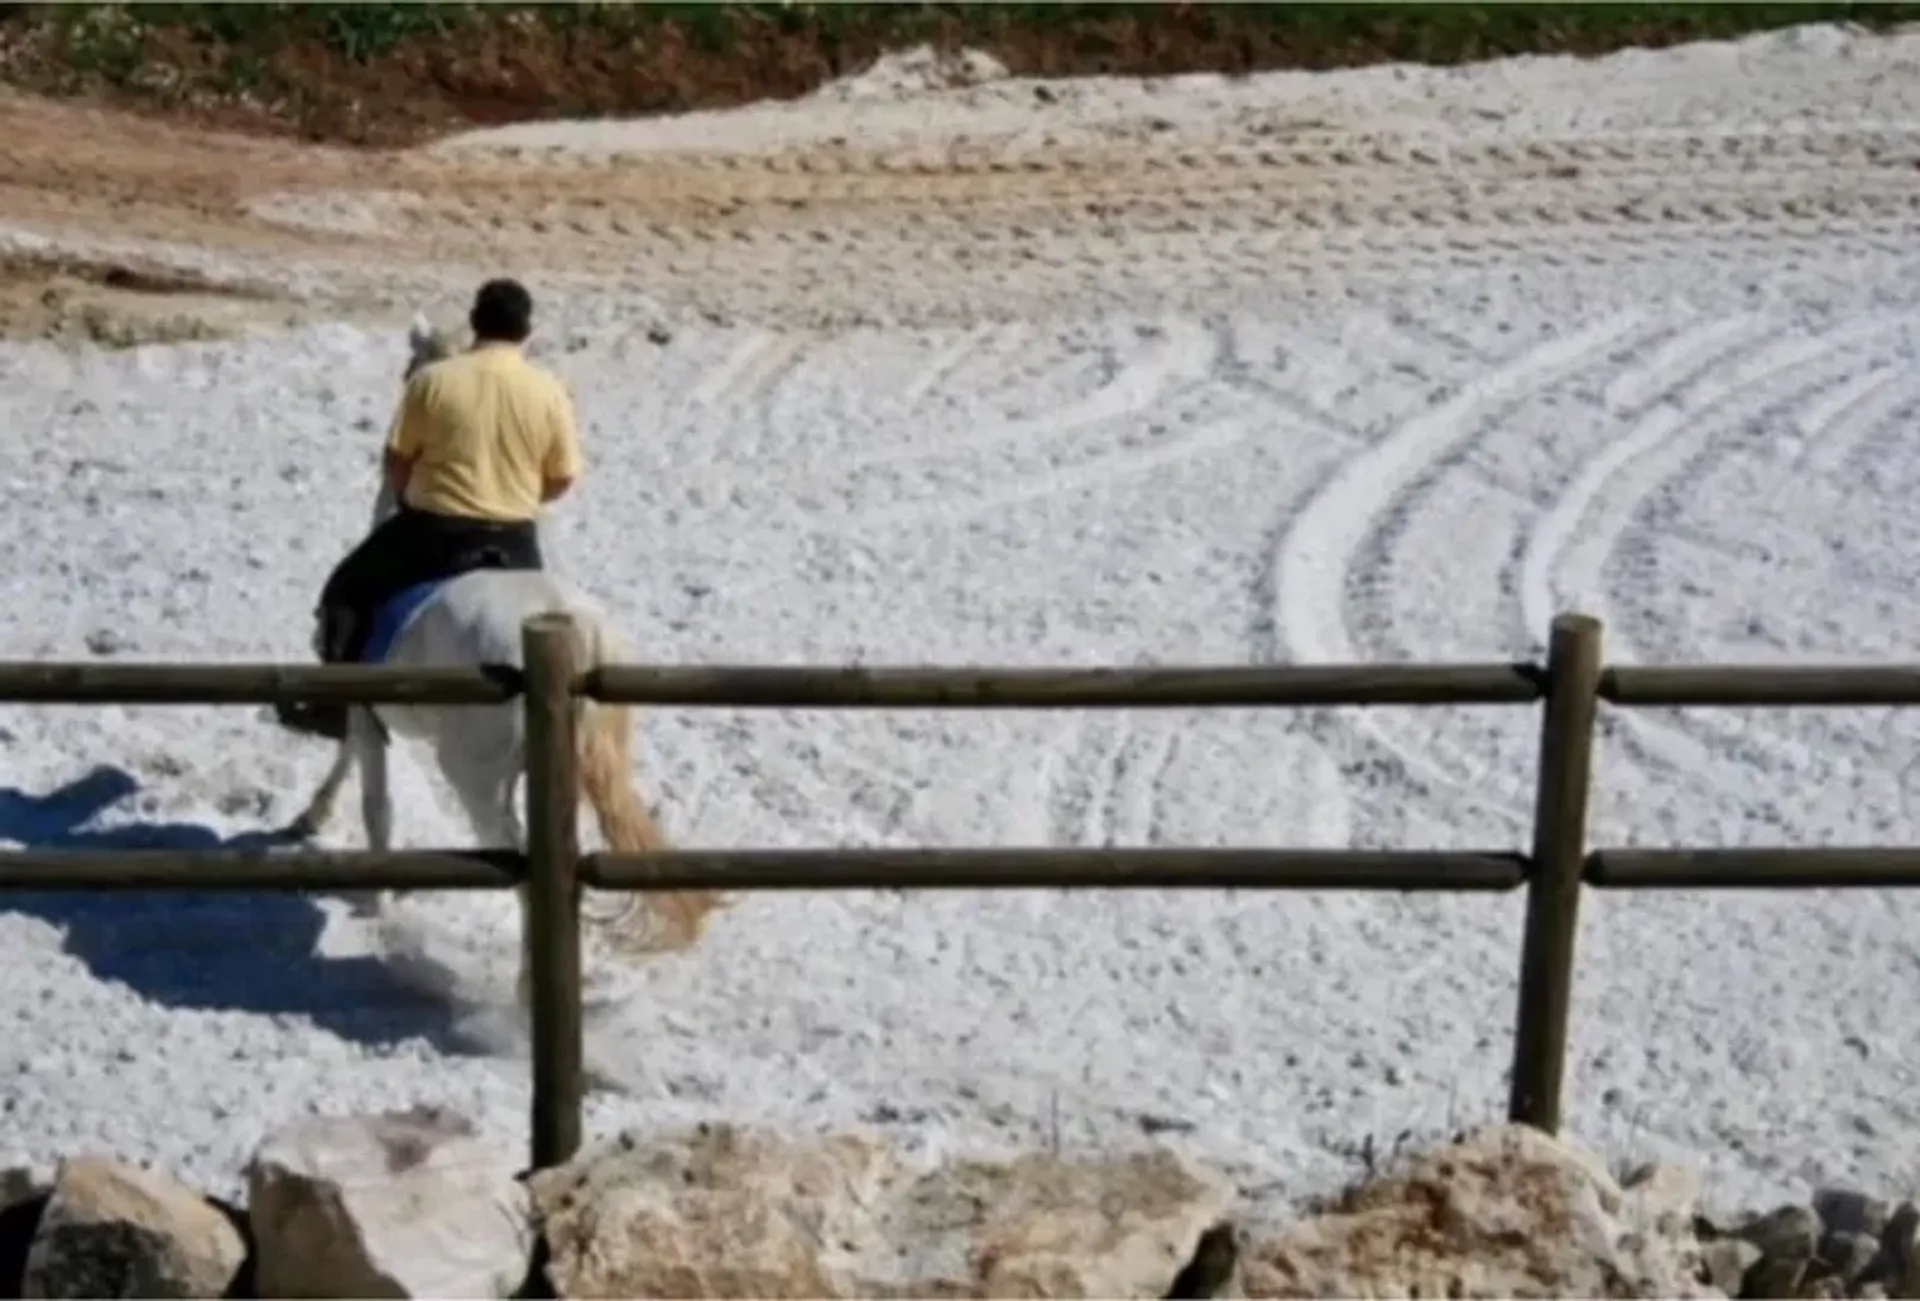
pixel 502 312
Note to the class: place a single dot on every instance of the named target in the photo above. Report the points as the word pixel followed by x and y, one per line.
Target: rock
pixel 1662 1198
pixel 1850 1257
pixel 1777 1276
pixel 1900 1261
pixel 113 1230
pixel 1727 1261
pixel 1841 1210
pixel 1211 1269
pixel 1789 1233
pixel 723 1210
pixel 21 1183
pixel 1045 1226
pixel 399 1204
pixel 1842 1266
pixel 23 1200
pixel 714 1211
pixel 1507 1212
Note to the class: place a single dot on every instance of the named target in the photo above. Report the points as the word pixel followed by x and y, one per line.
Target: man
pixel 481 442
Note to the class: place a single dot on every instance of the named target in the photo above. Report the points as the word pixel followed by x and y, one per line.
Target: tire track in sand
pixel 847 497
pixel 913 484
pixel 983 366
pixel 1668 436
pixel 944 365
pixel 1157 780
pixel 1834 430
pixel 1667 439
pixel 1107 467
pixel 1651 395
pixel 742 382
pixel 968 228
pixel 1677 364
pixel 1004 211
pixel 1181 350
pixel 1249 357
pixel 851 490
pixel 1320 545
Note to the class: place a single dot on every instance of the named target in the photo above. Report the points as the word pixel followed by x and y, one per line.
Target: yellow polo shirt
pixel 483 429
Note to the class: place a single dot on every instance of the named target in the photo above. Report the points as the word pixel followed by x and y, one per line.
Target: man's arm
pixel 562 464
pixel 398 470
pixel 405 436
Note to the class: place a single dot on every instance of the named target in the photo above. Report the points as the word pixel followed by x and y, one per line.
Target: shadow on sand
pixel 209 950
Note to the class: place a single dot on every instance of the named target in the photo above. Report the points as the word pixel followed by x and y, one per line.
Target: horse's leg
pixel 366 744
pixel 483 768
pixel 319 811
pixel 480 762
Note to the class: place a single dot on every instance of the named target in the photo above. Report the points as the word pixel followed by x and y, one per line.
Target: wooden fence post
pixel 1559 853
pixel 552 941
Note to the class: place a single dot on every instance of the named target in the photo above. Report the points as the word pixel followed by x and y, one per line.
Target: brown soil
pixel 514 65
pixel 176 131
pixel 118 304
pixel 70 171
pixel 82 175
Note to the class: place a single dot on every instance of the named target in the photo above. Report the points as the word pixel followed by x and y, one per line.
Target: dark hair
pixel 502 312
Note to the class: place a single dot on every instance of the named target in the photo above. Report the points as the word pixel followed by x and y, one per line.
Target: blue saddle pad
pixel 393 616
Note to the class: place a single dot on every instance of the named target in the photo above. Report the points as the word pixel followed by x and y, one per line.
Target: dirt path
pixel 1004 201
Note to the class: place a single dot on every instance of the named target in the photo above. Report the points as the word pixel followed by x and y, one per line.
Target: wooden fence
pixel 1571 684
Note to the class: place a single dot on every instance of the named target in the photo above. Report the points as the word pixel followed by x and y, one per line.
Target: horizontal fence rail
pixel 245 870
pixel 552 870
pixel 1825 868
pixel 738 687
pixel 253 684
pixel 1783 686
pixel 1055 869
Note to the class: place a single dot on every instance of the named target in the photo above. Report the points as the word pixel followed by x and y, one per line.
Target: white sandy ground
pixel 1703 433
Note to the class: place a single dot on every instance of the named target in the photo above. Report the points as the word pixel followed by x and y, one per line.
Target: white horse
pixel 475 619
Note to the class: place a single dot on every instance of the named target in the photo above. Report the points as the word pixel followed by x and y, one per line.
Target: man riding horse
pixel 480 442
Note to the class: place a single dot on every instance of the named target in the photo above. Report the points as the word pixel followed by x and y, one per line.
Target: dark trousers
pixel 414 546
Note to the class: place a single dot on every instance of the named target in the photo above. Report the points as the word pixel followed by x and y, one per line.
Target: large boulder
pixel 721 1210
pixel 710 1212
pixel 399 1204
pixel 24 1193
pixel 1508 1212
pixel 114 1230
pixel 1047 1226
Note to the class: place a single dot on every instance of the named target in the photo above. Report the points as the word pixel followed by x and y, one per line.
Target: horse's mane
pixel 427 343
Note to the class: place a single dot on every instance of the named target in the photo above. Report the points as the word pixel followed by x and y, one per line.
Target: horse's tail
pixel 606 764
pixel 606 780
